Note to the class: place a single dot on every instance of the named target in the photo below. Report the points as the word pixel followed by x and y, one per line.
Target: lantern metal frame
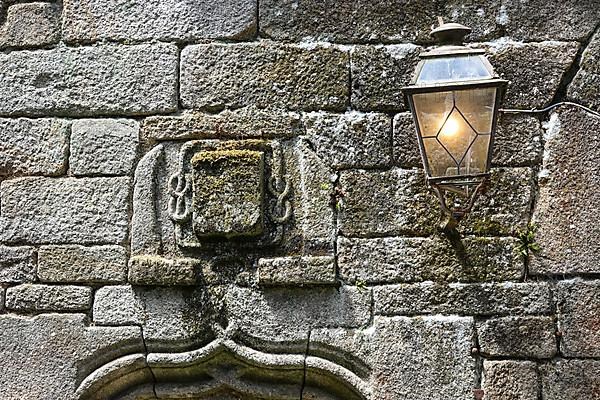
pixel 465 185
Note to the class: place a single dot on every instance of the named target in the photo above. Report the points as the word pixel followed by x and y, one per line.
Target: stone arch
pixel 223 369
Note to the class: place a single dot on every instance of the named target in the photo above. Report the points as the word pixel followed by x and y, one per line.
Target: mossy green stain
pixel 228 178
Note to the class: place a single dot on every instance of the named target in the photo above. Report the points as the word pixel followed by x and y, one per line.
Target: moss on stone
pixel 228 192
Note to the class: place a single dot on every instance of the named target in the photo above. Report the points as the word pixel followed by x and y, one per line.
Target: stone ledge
pixel 159 271
pixel 39 298
pixel 464 299
pixel 305 270
pixel 243 123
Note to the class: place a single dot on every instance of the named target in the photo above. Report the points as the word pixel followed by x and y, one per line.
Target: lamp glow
pixel 451 128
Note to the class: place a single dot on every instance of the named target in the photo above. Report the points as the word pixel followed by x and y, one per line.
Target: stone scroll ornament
pixel 233 191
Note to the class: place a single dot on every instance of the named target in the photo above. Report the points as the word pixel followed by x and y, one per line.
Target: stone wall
pixel 224 200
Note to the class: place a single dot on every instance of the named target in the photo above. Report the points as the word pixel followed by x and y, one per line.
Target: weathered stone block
pixel 297 270
pixel 243 123
pixel 398 202
pixel 435 354
pixel 578 308
pixel 408 358
pixel 361 21
pixel 33 146
pixel 17 264
pixel 75 82
pixel 379 73
pixel 154 270
pixel 2 295
pixel 518 141
pixel 519 337
pixel 174 20
pixel 406 147
pixel 394 259
pixel 216 76
pixel 179 318
pixel 95 144
pixel 570 380
pixel 284 314
pixel 69 210
pixel 30 25
pixel 117 305
pixel 566 212
pixel 394 202
pixel 37 298
pixel 79 264
pixel 585 87
pixel 510 380
pixel 459 298
pixel 350 140
pixel 228 193
pixel 505 208
pixel 554 19
pixel 45 357
pixel 535 70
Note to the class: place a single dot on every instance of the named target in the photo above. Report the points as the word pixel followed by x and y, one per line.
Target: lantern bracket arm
pixel 451 217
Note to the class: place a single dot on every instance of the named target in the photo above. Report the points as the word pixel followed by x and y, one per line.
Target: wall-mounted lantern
pixel 454 99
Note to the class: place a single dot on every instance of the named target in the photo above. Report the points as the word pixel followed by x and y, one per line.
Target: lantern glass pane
pixel 477 105
pixel 455 128
pixel 475 160
pixel 440 161
pixel 432 109
pixel 447 69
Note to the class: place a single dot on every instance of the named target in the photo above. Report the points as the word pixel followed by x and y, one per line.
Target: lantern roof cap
pixel 450 33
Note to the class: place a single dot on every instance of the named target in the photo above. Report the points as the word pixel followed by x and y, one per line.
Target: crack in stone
pixel 571 72
pixel 154 381
pixel 304 366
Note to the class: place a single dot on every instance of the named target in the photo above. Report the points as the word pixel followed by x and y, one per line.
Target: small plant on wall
pixel 527 244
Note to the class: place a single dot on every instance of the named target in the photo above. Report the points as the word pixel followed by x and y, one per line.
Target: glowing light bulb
pixel 450 128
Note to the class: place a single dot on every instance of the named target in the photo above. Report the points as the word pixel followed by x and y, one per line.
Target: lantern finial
pixel 450 33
